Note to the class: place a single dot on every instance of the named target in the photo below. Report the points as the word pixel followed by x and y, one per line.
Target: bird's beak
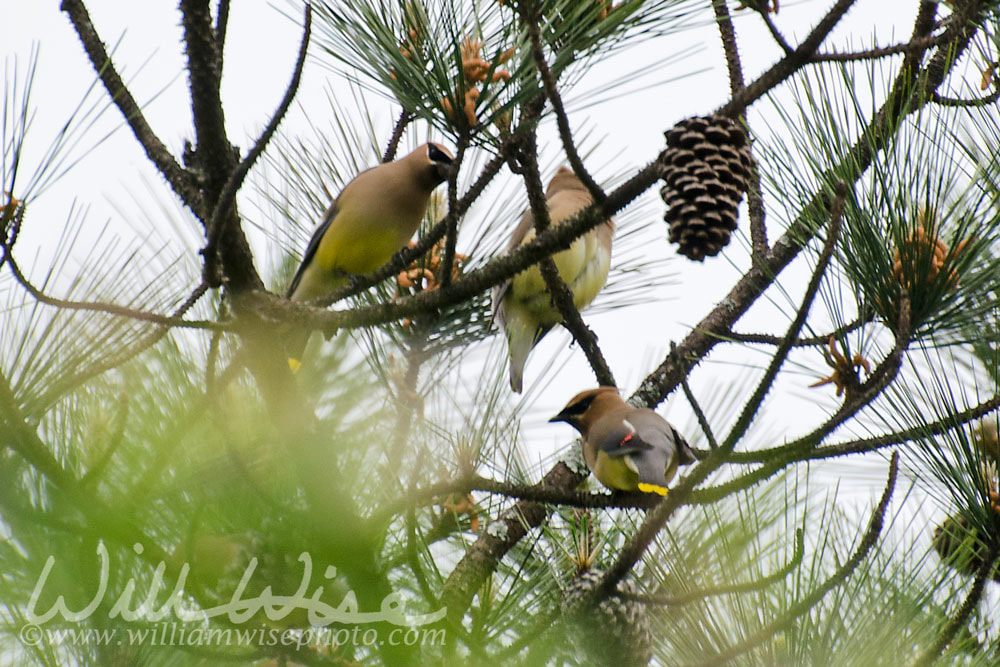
pixel 561 417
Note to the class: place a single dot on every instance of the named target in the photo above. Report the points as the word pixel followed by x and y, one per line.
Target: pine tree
pixel 185 498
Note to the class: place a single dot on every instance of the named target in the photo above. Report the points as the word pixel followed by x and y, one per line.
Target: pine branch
pixel 109 308
pixel 875 443
pixel 451 219
pixel 961 618
pixel 562 121
pixel 781 353
pixel 67 384
pixel 843 572
pixel 902 100
pixel 730 589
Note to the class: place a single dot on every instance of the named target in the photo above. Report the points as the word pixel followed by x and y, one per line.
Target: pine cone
pixel 961 547
pixel 614 632
pixel 706 167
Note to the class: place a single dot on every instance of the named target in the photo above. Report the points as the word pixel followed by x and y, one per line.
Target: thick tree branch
pixel 214 158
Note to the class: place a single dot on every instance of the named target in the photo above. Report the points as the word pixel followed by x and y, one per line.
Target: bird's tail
pixel 651 467
pixel 295 345
pixel 521 339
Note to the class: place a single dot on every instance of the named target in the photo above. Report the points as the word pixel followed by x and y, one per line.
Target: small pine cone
pixel 706 167
pixel 614 632
pixel 961 547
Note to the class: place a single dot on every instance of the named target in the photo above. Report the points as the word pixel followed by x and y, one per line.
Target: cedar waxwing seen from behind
pixel 627 449
pixel 523 306
pixel 373 217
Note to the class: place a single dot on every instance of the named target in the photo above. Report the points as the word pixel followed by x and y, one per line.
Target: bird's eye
pixel 437 155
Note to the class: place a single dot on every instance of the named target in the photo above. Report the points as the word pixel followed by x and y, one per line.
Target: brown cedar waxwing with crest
pixel 627 449
pixel 523 306
pixel 374 216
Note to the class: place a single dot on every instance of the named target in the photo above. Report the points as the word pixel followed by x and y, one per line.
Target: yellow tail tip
pixel 653 488
pixel 294 364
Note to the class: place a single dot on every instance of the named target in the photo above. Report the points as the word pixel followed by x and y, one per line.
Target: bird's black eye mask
pixel 437 155
pixel 579 407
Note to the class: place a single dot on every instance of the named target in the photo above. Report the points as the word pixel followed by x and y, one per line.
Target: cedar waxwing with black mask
pixel 627 449
pixel 523 306
pixel 373 217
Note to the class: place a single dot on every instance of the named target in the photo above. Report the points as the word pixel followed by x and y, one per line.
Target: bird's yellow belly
pixel 614 473
pixel 353 250
pixel 583 267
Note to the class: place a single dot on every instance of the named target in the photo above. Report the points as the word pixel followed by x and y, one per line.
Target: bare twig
pixel 781 353
pixel 180 181
pixel 397 133
pixel 955 102
pixel 562 121
pixel 560 293
pixel 698 412
pixel 214 228
pixel 451 232
pixel 788 65
pixel 877 52
pixel 812 341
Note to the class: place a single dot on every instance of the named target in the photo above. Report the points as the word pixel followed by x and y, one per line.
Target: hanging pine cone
pixel 706 167
pixel 961 547
pixel 614 632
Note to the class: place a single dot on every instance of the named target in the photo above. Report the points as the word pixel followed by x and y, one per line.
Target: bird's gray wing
pixel 313 246
pixel 660 434
pixel 500 291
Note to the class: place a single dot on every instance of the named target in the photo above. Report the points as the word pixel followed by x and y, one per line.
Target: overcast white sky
pixel 261 47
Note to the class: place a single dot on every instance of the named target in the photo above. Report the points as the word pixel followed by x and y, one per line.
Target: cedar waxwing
pixel 373 217
pixel 626 448
pixel 523 306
